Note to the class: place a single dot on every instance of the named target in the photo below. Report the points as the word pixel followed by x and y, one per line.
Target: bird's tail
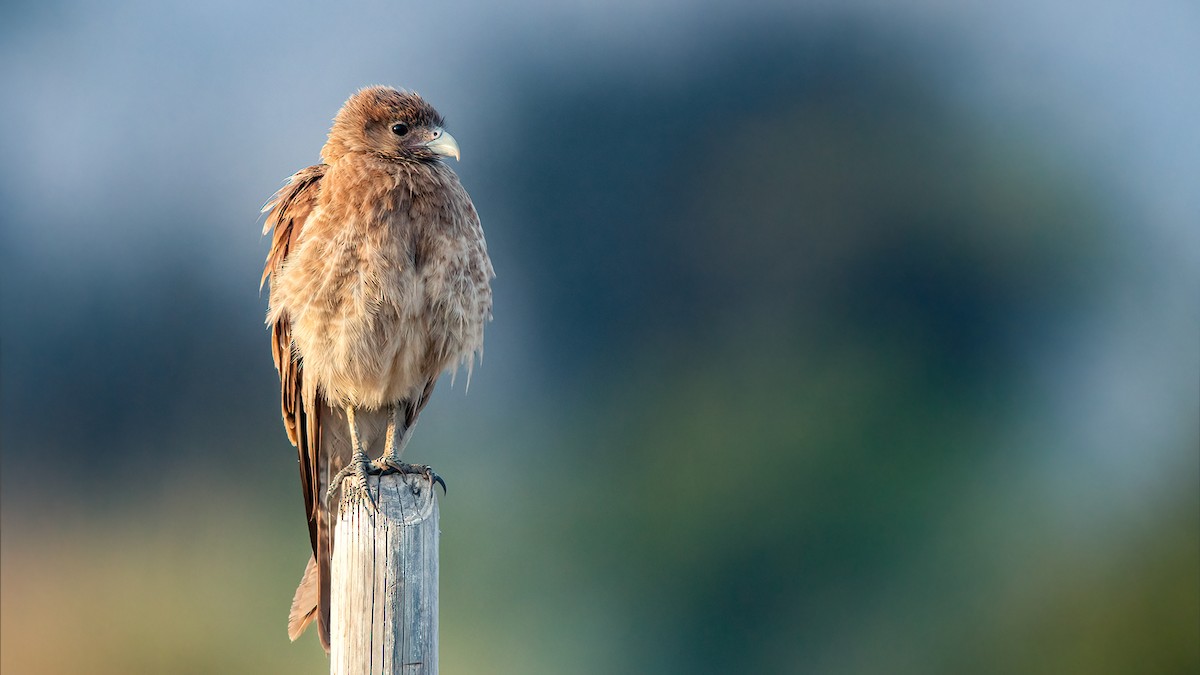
pixel 304 604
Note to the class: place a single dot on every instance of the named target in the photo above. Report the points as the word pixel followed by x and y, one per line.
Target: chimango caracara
pixel 379 284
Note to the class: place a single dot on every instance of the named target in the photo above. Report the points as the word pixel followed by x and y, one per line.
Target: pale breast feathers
pixel 387 285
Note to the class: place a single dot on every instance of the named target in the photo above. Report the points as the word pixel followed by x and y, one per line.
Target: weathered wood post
pixel 384 574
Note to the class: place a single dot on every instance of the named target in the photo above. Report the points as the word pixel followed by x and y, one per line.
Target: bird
pixel 380 282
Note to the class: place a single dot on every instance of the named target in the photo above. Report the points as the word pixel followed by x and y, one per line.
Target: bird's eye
pixel 400 129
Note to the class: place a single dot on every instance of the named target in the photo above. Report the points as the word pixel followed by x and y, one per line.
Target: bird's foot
pixel 356 471
pixel 388 464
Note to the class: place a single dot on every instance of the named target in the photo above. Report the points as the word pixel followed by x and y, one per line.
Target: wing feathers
pixel 288 210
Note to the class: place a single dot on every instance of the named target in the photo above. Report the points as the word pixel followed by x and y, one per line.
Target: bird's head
pixel 388 123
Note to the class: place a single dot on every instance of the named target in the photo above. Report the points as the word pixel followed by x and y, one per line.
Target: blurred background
pixel 830 337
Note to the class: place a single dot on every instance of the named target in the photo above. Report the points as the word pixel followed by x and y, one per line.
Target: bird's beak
pixel 443 144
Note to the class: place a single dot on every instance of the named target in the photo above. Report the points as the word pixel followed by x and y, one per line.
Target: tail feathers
pixel 304 604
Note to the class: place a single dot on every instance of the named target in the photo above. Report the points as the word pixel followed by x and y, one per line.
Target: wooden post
pixel 384 574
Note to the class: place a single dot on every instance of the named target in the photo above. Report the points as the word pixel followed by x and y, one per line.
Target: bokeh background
pixel 831 337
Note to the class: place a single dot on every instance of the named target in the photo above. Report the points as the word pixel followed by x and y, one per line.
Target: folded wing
pixel 287 212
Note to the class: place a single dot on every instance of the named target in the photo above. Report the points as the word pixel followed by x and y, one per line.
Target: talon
pixel 357 470
pixel 438 479
pixel 385 465
pixel 395 466
pixel 427 472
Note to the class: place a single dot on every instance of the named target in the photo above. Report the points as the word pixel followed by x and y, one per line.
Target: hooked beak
pixel 443 144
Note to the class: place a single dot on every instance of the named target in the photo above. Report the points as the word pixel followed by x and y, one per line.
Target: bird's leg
pixel 356 469
pixel 389 445
pixel 390 462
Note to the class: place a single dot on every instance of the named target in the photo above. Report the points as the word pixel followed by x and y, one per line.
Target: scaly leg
pixel 390 462
pixel 393 447
pixel 357 469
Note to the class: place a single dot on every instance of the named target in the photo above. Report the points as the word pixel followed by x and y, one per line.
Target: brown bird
pixel 380 282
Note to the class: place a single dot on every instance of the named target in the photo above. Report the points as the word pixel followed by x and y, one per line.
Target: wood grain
pixel 385 581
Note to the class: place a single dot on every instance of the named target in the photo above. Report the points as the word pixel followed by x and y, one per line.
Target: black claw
pixel 382 467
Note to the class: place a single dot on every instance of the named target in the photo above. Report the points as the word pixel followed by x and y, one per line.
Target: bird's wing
pixel 287 212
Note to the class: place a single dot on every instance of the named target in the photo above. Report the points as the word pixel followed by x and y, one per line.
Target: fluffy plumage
pixel 380 282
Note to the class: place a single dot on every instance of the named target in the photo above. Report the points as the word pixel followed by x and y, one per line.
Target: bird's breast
pixel 382 299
